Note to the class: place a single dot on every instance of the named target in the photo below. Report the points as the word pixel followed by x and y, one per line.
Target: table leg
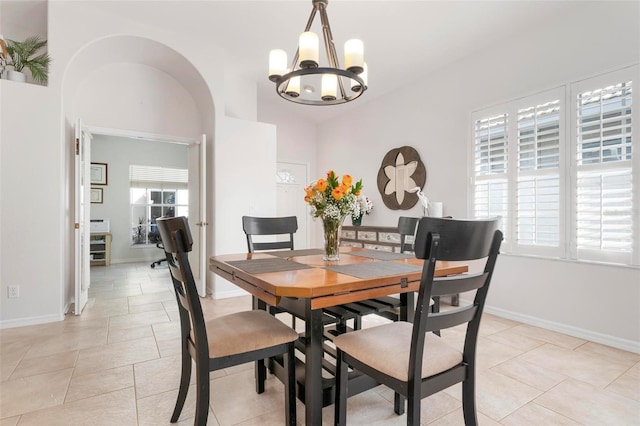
pixel 313 365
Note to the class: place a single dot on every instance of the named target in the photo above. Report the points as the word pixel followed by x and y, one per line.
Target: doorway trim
pixel 154 137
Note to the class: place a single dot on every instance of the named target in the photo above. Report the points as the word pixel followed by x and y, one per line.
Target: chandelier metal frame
pixel 282 81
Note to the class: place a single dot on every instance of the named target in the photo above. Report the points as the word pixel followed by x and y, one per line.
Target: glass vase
pixel 356 221
pixel 332 227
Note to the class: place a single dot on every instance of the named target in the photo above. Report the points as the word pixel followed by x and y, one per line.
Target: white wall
pixel 433 116
pixel 296 143
pixel 30 201
pixel 119 153
pixel 136 97
pixel 246 187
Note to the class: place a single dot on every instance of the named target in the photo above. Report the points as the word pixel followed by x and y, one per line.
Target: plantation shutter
pixel 158 177
pixel 604 197
pixel 538 175
pixel 490 168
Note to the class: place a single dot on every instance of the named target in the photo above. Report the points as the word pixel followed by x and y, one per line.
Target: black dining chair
pixel 270 233
pixel 390 307
pixel 219 342
pixel 408 358
pixel 272 227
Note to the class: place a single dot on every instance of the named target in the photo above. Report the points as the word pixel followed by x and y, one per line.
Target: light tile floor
pixel 118 364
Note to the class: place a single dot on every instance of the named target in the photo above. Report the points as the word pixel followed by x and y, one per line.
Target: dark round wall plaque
pixel 400 171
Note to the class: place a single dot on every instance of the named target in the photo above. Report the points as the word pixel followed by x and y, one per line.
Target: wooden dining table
pixel 302 283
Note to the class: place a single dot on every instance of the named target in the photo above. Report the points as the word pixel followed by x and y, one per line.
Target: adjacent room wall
pixel 119 153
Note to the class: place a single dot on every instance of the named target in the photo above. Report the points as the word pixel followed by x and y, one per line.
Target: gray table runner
pixel 291 253
pixel 374 269
pixel 261 266
pixel 381 255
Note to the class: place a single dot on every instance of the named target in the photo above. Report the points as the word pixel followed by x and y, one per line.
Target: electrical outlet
pixel 13 291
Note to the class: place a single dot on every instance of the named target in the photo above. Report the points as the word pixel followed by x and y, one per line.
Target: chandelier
pixel 299 81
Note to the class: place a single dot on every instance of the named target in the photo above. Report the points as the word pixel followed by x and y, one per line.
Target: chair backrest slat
pixel 444 320
pixel 272 226
pixel 457 284
pixel 277 245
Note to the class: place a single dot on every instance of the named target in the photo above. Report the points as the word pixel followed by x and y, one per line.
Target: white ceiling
pixel 404 40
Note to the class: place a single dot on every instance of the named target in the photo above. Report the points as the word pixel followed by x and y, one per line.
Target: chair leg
pixel 202 394
pixel 290 385
pixel 340 414
pixel 261 375
pixel 469 401
pixel 435 308
pixel 413 409
pixel 357 322
pixel 185 378
pixel 398 404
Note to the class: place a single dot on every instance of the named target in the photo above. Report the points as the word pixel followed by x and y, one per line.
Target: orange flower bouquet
pixel 332 199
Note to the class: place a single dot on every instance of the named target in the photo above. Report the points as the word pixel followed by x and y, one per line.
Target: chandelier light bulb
pixel 329 87
pixel 277 64
pixel 354 55
pixel 308 45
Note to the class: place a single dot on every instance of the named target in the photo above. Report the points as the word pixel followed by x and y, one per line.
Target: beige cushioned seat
pixel 386 348
pixel 245 332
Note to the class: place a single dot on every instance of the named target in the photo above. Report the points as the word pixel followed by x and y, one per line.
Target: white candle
pixel 277 63
pixel 354 55
pixel 293 88
pixel 329 87
pixel 355 85
pixel 308 46
pixel 435 209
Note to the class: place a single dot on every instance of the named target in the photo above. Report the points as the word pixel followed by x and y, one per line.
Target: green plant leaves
pixel 21 54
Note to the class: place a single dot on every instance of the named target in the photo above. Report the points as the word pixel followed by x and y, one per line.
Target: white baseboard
pixel 22 322
pixel 581 333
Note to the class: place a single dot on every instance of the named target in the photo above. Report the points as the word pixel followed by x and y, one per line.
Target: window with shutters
pixel 606 227
pixel 559 168
pixel 155 192
pixel 491 197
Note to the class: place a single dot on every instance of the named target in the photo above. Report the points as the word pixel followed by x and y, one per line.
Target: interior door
pixel 291 179
pixel 198 211
pixel 82 215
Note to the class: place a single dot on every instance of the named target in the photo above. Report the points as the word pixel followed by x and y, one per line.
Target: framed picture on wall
pixel 98 173
pixel 96 195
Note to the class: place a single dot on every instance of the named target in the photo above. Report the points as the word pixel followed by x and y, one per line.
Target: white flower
pixel 362 205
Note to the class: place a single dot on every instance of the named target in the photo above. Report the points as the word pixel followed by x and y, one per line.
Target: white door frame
pixel 154 137
pixel 82 167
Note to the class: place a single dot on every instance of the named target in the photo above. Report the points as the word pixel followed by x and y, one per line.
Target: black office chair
pixel 224 341
pixel 162 259
pixel 407 357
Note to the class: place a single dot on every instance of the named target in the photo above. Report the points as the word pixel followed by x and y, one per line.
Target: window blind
pixel 491 197
pixel 538 177
pixel 604 197
pixel 157 177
